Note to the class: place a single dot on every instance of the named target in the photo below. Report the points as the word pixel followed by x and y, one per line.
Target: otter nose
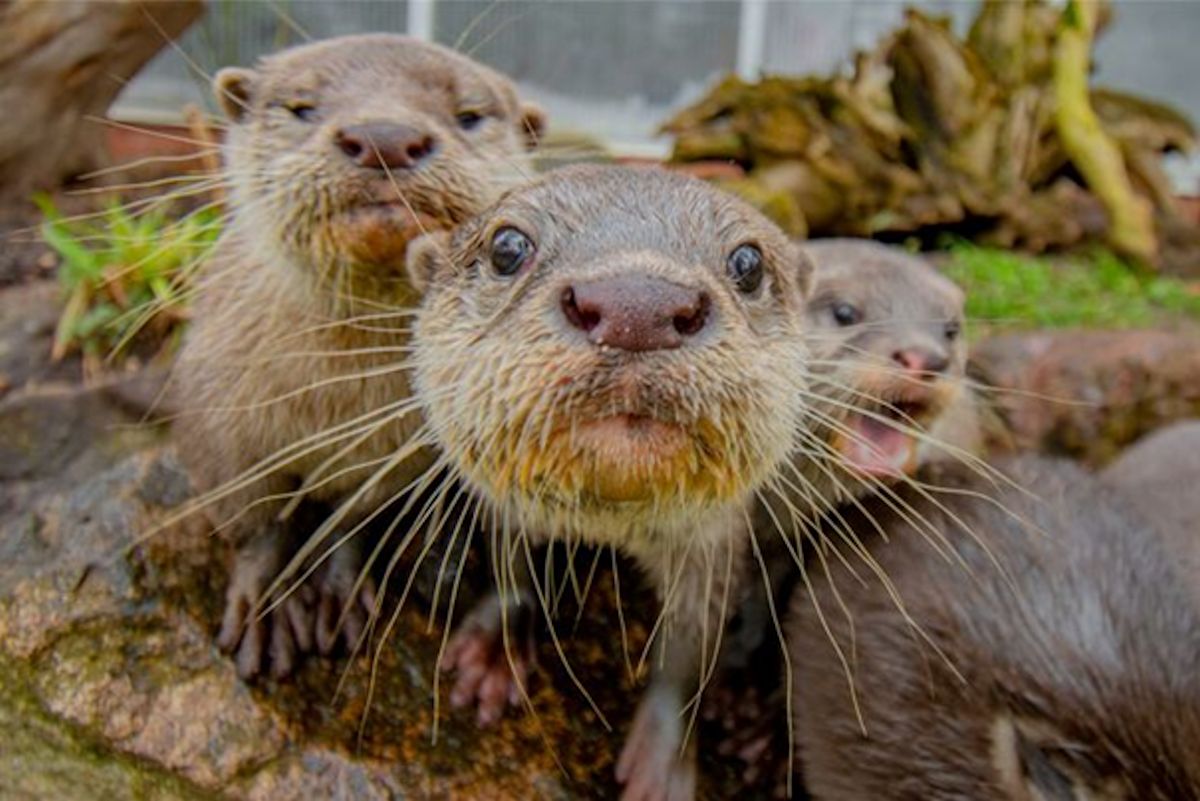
pixel 636 314
pixel 385 145
pixel 926 361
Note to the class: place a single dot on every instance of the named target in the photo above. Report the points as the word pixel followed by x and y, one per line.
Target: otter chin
pixel 629 457
pixel 378 233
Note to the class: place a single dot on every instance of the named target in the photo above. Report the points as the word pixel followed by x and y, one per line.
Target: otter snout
pixel 924 361
pixel 385 145
pixel 636 313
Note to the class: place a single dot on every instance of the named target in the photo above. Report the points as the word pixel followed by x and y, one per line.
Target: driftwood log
pixel 61 65
pixel 997 138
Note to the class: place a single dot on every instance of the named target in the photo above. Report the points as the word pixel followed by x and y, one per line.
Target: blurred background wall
pixel 617 68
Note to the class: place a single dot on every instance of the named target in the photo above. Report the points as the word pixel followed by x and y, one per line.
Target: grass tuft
pixel 1007 289
pixel 125 278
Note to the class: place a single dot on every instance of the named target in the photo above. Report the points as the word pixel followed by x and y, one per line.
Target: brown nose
pixel 922 360
pixel 636 314
pixel 385 145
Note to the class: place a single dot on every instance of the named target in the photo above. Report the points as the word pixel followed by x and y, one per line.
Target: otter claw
pixel 489 674
pixel 652 766
pixel 343 609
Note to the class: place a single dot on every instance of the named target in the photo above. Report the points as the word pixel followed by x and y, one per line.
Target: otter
pixel 1158 475
pixel 338 153
pixel 1047 648
pixel 613 356
pixel 889 393
pixel 889 359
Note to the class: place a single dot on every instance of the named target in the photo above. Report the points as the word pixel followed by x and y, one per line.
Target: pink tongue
pixel 877 449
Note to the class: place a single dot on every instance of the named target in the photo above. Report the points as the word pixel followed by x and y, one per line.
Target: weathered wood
pixel 995 136
pixel 62 64
pixel 1090 148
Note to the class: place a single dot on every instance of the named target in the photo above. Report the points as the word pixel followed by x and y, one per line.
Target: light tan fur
pixel 523 404
pixel 300 324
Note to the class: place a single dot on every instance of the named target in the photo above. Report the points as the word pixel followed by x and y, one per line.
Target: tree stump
pixel 61 65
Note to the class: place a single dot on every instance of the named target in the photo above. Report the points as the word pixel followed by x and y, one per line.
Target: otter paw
pixel 654 765
pixel 258 639
pixel 487 672
pixel 346 600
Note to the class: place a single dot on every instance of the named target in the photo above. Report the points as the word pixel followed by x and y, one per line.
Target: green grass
pixel 124 275
pixel 1006 289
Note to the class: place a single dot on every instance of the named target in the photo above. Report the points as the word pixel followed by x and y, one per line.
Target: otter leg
pixel 346 598
pixel 658 760
pixel 273 639
pixel 493 651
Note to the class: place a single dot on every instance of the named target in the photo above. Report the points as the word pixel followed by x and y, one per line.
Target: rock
pixel 112 687
pixel 1087 394
pixel 28 315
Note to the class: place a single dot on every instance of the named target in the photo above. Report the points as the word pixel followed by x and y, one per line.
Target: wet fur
pixel 275 315
pixel 1072 672
pixel 506 384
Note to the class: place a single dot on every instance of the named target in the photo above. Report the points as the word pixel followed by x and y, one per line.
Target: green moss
pixel 1098 291
pixel 44 757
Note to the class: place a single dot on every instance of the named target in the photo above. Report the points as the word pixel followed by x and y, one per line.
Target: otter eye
pixel 745 267
pixel 306 112
pixel 469 120
pixel 953 329
pixel 845 314
pixel 510 250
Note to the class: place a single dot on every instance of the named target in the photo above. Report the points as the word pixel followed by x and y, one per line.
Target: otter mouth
pixel 881 441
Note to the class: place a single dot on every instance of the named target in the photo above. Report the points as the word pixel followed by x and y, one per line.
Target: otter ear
pixel 425 256
pixel 533 124
pixel 805 267
pixel 232 87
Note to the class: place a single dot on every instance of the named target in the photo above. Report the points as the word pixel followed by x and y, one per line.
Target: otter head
pixel 341 151
pixel 612 349
pixel 887 348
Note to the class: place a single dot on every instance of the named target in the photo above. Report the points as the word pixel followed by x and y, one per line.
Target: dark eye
pixel 846 314
pixel 953 329
pixel 303 111
pixel 511 249
pixel 469 120
pixel 745 266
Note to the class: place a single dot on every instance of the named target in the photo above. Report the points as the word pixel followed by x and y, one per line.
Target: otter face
pixel 346 149
pixel 886 333
pixel 612 345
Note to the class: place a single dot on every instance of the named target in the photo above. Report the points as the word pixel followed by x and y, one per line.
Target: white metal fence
pixel 616 68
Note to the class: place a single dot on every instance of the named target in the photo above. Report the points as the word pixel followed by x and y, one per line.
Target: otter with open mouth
pixel 613 356
pixel 888 356
pixel 338 154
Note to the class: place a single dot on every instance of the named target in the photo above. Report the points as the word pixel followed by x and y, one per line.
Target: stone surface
pixel 1087 394
pixel 110 686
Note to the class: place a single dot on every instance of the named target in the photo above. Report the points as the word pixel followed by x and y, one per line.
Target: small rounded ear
pixel 232 87
pixel 533 124
pixel 424 256
pixel 805 269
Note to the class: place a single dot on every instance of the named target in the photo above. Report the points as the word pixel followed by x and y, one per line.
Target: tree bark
pixel 1094 153
pixel 61 65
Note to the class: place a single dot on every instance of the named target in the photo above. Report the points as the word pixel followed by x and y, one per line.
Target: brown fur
pixel 1158 475
pixel 304 253
pixel 903 303
pixel 1067 669
pixel 511 390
